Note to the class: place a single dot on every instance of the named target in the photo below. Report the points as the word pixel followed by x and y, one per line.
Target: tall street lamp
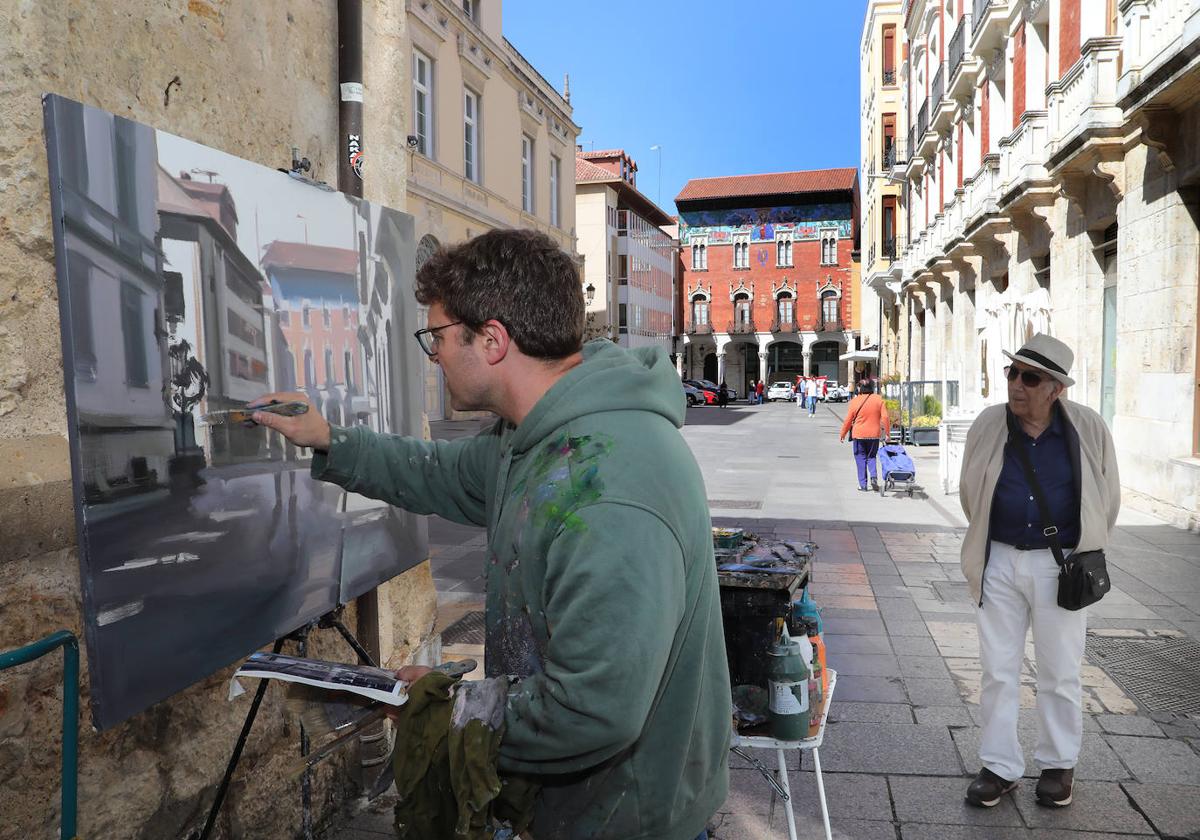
pixel 657 147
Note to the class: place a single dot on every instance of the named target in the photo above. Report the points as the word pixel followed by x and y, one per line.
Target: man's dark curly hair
pixel 520 278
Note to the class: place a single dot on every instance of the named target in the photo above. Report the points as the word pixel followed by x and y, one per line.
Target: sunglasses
pixel 1029 378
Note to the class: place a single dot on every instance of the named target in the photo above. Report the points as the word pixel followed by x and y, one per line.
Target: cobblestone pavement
pixel 902 741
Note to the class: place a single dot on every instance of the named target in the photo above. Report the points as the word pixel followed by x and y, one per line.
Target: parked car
pixel 705 396
pixel 781 391
pixel 694 395
pixel 712 386
pixel 835 392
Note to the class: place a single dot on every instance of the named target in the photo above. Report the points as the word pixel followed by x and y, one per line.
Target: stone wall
pixel 254 79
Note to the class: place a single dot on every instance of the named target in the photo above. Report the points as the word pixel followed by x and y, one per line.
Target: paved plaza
pixel 903 736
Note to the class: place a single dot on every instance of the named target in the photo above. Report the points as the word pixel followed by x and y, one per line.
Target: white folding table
pixel 766 742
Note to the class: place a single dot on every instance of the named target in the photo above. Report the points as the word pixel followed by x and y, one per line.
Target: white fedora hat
pixel 1046 353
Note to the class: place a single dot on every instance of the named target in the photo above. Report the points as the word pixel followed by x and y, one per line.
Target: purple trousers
pixel 865 450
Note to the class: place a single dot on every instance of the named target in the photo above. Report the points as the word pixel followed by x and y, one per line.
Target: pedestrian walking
pixel 813 388
pixel 758 391
pixel 722 394
pixel 800 393
pixel 866 423
pixel 598 533
pixel 1038 452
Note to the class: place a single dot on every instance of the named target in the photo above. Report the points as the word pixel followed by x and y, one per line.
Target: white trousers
pixel 1020 586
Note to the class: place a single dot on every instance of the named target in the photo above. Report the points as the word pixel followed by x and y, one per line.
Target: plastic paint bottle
pixel 819 679
pixel 788 684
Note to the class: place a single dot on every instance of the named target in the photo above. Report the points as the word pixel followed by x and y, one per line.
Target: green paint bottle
pixel 788 678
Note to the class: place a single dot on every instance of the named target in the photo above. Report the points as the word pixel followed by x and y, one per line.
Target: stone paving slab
pixel 756 827
pixel 1096 760
pixel 941 800
pixel 1157 759
pixel 848 795
pixel 870 689
pixel 889 748
pixel 1172 809
pixel 921 831
pixel 932 692
pixel 956 716
pixel 844 644
pixel 864 664
pixel 869 712
pixel 1129 725
pixel 1096 806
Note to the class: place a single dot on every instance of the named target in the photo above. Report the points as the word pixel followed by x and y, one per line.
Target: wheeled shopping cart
pixel 898 470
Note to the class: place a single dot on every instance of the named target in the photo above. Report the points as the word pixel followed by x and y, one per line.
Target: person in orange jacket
pixel 867 423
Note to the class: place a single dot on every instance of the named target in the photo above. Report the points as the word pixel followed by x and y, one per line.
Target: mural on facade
pixel 192 281
pixel 804 221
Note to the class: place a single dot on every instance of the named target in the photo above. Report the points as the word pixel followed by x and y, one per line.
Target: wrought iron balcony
pixel 980 11
pixel 889 249
pixel 741 327
pixel 891 155
pixel 699 329
pixel 785 326
pixel 958 44
pixel 923 119
pixel 889 78
pixel 937 89
pixel 833 325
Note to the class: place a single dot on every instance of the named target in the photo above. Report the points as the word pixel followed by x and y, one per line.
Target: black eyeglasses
pixel 1028 378
pixel 428 338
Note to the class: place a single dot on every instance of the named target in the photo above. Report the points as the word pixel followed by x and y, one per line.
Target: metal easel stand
pixel 300 636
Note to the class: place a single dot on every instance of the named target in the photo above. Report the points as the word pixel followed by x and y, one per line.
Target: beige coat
pixel 983 459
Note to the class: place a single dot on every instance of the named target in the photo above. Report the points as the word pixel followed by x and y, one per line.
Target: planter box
pixel 925 436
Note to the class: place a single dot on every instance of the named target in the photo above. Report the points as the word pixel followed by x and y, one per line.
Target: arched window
pixel 741 309
pixel 699 310
pixel 785 307
pixel 699 256
pixel 783 250
pixel 829 309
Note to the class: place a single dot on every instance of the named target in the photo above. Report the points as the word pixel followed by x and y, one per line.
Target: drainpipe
pixel 350 97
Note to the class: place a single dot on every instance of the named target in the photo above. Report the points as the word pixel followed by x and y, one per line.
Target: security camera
pixel 412 141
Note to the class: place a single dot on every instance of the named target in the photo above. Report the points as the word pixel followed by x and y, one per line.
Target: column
pixel 721 366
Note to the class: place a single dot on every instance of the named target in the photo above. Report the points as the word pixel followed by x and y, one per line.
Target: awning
pixel 860 356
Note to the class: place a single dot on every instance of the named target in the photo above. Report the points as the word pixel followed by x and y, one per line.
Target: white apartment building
pixel 629 261
pixel 491 141
pixel 1052 183
pixel 882 223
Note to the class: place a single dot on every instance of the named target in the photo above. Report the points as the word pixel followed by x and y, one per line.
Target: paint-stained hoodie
pixel 601 591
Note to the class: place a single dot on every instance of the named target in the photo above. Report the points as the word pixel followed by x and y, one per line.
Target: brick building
pixel 767 275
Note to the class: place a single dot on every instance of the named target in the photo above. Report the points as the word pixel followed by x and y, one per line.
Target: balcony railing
pixel 1023 153
pixel 741 327
pixel 889 249
pixel 700 329
pixel 979 11
pixel 891 155
pixel 923 119
pixel 937 89
pixel 958 44
pixel 889 78
pixel 832 325
pixel 778 326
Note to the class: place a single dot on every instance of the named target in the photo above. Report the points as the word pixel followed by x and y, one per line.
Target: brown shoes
pixel 1055 787
pixel 987 789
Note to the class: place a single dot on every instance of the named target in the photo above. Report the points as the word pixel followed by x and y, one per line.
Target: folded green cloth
pixel 447 745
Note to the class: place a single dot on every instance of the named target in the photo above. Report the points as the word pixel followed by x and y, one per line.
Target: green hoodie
pixel 601 592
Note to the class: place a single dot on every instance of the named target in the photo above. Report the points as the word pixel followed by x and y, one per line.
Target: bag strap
pixel 857 412
pixel 1050 532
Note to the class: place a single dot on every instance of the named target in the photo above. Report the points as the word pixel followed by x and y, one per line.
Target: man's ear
pixel 497 343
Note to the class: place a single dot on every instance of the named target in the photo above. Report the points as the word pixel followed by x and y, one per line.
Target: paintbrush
pixel 246 415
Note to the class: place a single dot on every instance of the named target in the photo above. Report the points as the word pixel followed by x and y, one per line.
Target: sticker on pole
pixel 354 154
pixel 352 91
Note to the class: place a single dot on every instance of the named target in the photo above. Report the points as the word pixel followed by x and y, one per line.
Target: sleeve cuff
pixel 338 463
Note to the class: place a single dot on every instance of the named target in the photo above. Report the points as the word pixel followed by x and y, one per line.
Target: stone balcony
pixel 990 20
pixel 1083 103
pixel 1023 154
pixel 1156 31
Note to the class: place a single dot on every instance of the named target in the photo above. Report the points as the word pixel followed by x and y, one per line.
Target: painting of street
pixel 192 281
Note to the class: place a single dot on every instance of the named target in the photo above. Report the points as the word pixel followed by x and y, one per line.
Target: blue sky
pixel 724 88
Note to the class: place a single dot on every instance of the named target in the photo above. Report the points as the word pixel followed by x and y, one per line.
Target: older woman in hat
pixel 1012 572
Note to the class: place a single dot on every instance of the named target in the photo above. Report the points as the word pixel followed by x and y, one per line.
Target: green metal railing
pixel 70 749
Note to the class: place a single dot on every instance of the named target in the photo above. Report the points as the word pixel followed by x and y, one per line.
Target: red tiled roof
pixel 311 257
pixel 769 183
pixel 585 171
pixel 604 153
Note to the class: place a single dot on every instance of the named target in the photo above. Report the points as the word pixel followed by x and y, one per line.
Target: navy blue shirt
pixel 1015 517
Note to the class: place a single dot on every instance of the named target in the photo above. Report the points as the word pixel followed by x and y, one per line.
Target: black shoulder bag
pixel 1082 577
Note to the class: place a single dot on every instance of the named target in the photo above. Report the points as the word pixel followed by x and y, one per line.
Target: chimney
pixel 567 87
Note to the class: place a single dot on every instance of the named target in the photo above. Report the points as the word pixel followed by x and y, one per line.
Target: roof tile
pixel 769 183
